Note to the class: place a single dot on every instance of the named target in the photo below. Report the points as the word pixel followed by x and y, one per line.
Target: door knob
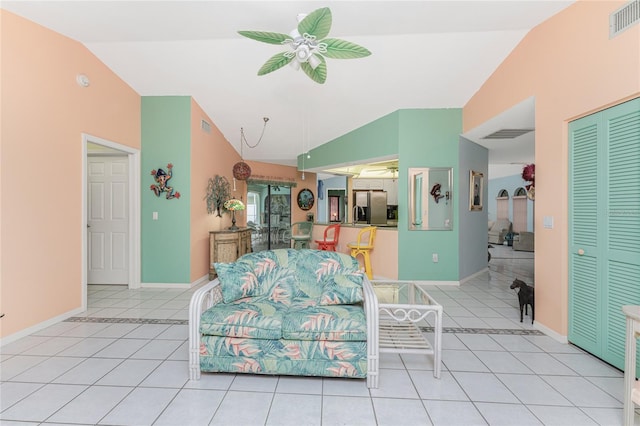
pixel 580 252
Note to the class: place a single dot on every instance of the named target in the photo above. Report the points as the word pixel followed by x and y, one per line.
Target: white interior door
pixel 107 220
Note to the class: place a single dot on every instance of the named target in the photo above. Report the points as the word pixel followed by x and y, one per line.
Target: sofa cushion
pixel 249 317
pixel 342 289
pixel 333 322
pixel 285 357
pixel 237 280
pixel 314 266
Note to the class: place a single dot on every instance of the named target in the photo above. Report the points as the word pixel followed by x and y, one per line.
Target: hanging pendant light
pixel 241 170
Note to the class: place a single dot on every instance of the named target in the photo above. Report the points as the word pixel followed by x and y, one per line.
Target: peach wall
pixel 44 113
pixel 211 154
pixel 572 68
pixel 384 257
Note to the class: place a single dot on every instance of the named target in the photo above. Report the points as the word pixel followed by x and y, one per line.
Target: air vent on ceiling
pixel 507 133
pixel 624 18
pixel 205 126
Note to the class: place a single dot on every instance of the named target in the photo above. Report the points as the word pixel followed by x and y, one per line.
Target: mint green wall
pixel 420 138
pixel 166 138
pixel 427 138
pixel 374 140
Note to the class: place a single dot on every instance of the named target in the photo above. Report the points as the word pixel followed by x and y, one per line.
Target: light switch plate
pixel 547 222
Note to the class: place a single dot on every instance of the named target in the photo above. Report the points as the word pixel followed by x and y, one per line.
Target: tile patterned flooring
pixel 125 363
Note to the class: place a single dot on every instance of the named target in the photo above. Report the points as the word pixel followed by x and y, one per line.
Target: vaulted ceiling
pixel 425 54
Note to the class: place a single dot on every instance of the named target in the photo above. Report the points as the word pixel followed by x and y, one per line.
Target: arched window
pixel 502 204
pixel 520 210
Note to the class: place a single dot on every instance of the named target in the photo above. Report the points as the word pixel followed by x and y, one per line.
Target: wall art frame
pixel 476 189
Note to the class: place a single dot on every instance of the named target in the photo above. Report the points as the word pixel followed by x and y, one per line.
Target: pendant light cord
pixel 243 138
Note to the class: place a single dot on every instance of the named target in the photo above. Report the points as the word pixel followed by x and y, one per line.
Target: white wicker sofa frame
pixel 211 294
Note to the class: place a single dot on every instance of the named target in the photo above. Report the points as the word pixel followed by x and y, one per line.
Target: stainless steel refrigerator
pixel 372 207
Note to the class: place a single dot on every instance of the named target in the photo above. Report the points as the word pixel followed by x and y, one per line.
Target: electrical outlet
pixel 155 215
pixel 434 257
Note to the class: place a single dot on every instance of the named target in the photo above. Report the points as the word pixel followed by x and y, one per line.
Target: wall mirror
pixel 430 198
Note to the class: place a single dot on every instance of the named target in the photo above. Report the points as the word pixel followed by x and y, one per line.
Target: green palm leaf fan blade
pixel 265 36
pixel 277 61
pixel 319 74
pixel 317 23
pixel 342 49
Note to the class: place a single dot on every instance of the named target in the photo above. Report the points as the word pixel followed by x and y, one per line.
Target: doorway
pixel 336 206
pixel 95 151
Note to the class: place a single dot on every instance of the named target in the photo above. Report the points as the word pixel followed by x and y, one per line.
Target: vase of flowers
pixel 233 204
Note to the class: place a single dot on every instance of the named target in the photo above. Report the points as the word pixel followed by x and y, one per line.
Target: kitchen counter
pixel 389 225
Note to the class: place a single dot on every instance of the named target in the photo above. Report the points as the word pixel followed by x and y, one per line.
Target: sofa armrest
pixel 373 329
pixel 201 300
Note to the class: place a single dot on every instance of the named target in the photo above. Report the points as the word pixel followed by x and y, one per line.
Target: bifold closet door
pixel 604 228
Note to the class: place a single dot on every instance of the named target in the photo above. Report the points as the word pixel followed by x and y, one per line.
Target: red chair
pixel 326 243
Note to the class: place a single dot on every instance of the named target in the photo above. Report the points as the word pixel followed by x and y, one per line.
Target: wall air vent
pixel 623 18
pixel 206 127
pixel 507 133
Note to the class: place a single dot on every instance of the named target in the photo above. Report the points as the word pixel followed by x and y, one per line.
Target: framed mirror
pixel 430 198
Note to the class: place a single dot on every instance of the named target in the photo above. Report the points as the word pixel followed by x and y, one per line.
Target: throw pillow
pixel 342 289
pixel 237 280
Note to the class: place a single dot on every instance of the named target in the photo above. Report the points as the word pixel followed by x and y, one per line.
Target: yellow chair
pixel 363 246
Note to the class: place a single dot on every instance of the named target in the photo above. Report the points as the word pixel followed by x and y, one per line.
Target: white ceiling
pixel 425 54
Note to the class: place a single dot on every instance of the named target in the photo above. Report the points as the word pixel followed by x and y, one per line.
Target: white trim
pixel 183 286
pixel 202 280
pixel 472 276
pixel 422 282
pixel 133 156
pixel 40 326
pixel 549 332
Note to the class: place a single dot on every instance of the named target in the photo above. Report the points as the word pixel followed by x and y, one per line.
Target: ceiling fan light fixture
pixel 303 52
pixel 309 46
pixel 314 61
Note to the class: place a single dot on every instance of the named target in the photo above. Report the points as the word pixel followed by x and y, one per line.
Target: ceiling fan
pixel 308 46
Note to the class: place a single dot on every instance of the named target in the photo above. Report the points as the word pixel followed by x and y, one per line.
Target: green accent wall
pixel 166 138
pixel 374 140
pixel 427 138
pixel 419 138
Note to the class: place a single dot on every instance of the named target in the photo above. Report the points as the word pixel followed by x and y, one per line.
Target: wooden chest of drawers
pixel 226 246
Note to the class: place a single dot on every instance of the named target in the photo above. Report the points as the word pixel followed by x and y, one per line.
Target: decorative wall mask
pixel 161 177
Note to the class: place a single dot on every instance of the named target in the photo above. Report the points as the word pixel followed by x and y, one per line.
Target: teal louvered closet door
pixel 604 228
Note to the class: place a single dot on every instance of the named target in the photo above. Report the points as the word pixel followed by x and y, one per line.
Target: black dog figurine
pixel 525 297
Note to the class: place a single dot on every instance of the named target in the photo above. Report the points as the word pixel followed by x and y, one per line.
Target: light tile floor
pixel 128 366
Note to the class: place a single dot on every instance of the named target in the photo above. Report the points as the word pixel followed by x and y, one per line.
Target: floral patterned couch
pixel 288 312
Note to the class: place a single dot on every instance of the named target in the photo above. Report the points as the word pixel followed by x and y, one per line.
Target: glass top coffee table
pixel 403 307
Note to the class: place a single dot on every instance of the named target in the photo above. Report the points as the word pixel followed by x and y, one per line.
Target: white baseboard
pixel 549 332
pixel 443 283
pixel 40 326
pixel 202 280
pixel 165 285
pixel 472 276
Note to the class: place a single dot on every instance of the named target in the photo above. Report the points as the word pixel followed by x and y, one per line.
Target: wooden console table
pixel 226 246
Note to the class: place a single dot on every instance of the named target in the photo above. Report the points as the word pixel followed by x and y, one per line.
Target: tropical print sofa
pixel 286 312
